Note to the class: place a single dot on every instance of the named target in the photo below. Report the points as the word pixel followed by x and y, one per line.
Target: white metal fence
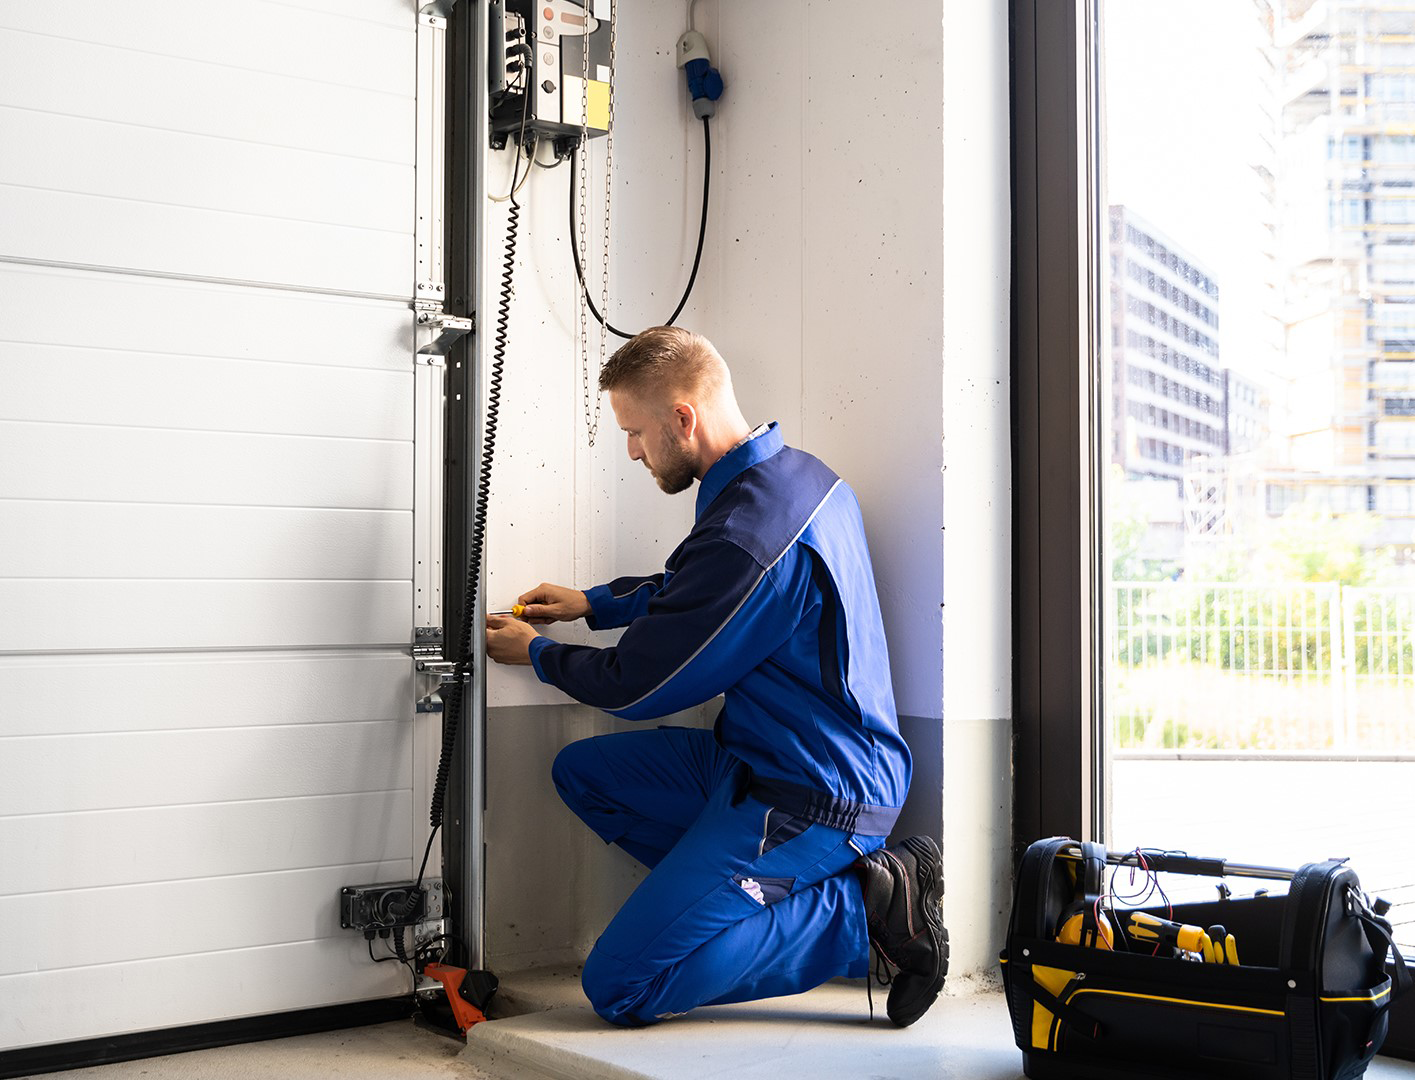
pixel 1260 668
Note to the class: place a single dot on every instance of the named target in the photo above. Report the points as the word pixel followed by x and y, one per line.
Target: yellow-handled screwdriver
pixel 1182 936
pixel 515 611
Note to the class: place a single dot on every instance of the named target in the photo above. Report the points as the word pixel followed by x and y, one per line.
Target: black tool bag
pixel 1306 999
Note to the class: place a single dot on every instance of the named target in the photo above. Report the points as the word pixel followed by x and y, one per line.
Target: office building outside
pixel 1168 387
pixel 1346 190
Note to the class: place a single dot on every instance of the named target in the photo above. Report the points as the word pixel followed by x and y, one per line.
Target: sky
pixel 1182 95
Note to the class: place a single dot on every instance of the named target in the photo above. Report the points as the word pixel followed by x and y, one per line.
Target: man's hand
pixel 548 603
pixel 508 641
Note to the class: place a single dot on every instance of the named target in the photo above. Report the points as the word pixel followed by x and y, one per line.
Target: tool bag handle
pixel 1180 862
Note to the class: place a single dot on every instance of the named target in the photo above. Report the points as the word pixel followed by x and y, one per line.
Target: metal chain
pixel 608 191
pixel 583 244
pixel 582 334
pixel 582 330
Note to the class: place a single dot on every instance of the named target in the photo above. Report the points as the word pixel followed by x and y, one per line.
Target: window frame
pixel 1055 346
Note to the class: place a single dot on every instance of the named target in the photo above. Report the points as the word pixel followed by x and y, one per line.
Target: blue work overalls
pixel 749 830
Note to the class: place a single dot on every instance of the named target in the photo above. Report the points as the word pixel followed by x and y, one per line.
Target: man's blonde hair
pixel 666 361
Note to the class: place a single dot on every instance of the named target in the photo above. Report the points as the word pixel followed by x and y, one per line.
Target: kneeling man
pixel 765 837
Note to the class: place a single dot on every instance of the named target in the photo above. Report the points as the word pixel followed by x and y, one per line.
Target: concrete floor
pixel 396 1051
pixel 549 1033
pixel 828 1032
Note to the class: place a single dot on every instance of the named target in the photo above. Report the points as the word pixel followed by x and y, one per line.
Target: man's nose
pixel 635 452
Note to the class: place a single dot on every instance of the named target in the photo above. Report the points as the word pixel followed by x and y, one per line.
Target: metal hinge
pixel 427 654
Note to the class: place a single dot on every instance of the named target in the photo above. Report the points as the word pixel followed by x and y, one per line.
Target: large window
pixel 1215 250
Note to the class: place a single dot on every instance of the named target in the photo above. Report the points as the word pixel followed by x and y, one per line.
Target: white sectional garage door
pixel 208 568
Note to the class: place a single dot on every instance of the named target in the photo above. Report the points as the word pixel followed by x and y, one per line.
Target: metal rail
pixel 1180 862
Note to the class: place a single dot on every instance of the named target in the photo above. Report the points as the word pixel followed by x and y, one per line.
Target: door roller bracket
pixel 449 328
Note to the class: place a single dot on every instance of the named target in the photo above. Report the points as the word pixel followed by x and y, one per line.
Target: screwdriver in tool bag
pixel 1182 936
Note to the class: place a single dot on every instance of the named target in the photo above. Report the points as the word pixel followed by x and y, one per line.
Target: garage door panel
pixel 148 90
pixel 55 695
pixel 53 773
pixel 47 614
pixel 108 540
pixel 204 393
pixel 105 232
pixel 216 914
pixel 94 157
pixel 184 990
pixel 172 843
pixel 355 51
pixel 390 12
pixel 218 504
pixel 81 309
pixel 72 461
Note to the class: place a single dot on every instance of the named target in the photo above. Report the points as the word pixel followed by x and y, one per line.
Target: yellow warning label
pixel 592 104
pixel 599 105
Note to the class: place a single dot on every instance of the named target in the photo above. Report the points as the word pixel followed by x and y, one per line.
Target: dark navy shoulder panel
pixel 764 508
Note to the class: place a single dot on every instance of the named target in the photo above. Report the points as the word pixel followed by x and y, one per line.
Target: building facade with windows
pixel 1168 387
pixel 1346 188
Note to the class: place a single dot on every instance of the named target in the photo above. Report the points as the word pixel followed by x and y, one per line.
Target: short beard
pixel 676 472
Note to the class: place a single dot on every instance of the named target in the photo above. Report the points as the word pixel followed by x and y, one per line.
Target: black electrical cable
pixel 697 258
pixel 397 937
pixel 400 949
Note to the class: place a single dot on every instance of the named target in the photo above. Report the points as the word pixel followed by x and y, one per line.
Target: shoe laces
pixel 881 974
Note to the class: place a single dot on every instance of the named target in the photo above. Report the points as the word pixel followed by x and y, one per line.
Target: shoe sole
pixel 930 862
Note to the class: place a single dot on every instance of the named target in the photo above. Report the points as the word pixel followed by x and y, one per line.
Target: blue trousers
pixel 742 901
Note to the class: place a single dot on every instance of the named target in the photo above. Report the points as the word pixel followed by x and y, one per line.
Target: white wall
pixel 977 495
pixel 856 281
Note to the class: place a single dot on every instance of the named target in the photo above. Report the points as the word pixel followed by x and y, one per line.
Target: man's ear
pixel 686 419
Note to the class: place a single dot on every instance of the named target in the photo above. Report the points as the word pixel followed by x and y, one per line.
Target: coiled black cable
pixel 452 692
pixel 400 950
pixel 453 701
pixel 697 258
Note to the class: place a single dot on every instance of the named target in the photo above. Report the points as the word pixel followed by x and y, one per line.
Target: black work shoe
pixel 903 888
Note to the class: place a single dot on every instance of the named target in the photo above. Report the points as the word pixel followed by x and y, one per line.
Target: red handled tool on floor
pixel 468 992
